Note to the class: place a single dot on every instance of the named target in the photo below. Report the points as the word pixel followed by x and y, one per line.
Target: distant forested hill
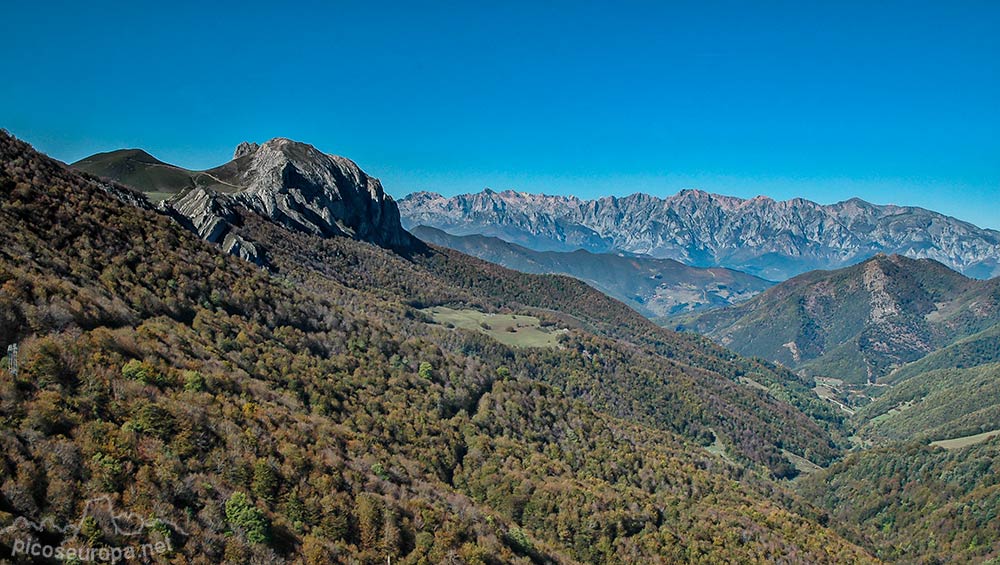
pixel 859 323
pixel 653 287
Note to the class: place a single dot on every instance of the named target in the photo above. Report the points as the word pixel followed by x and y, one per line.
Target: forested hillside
pixel 925 488
pixel 859 323
pixel 936 404
pixel 972 351
pixel 258 416
pixel 614 359
pixel 756 427
pixel 915 503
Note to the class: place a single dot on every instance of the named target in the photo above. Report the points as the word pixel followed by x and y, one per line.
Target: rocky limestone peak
pixel 425 196
pixel 244 149
pixel 693 192
pixel 293 184
pixel 303 188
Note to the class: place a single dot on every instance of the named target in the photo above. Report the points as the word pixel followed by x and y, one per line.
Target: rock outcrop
pixel 212 216
pixel 302 188
pixel 288 182
pixel 245 149
pixel 295 185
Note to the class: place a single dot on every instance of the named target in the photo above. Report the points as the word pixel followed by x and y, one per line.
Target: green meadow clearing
pixel 966 441
pixel 514 330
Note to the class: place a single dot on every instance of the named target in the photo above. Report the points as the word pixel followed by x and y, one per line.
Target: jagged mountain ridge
pixel 771 239
pixel 860 322
pixel 653 287
pixel 289 182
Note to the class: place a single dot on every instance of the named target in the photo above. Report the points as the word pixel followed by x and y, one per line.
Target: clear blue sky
pixel 890 101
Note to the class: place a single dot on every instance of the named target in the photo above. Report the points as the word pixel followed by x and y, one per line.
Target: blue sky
pixel 897 103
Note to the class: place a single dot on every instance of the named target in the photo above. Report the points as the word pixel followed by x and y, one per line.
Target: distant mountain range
pixel 771 239
pixel 857 323
pixel 654 287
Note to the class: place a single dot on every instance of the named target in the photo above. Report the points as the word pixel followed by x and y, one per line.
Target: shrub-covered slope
pixel 937 404
pixel 915 503
pixel 253 416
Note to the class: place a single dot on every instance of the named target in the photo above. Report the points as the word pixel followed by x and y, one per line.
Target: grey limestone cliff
pixel 295 185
